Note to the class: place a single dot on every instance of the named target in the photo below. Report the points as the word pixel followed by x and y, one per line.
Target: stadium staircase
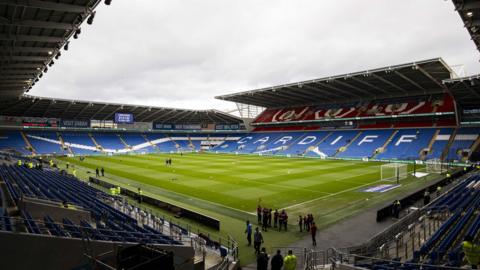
pixel 154 146
pixel 190 144
pixel 317 144
pixel 27 142
pixel 384 146
pixel 474 147
pixel 99 147
pixel 293 143
pixel 430 144
pixel 449 144
pixel 62 143
pixel 345 147
pixel 124 142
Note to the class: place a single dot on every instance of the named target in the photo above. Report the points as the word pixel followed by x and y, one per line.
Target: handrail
pixel 354 258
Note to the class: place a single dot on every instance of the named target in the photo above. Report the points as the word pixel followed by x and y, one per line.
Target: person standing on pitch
pixel 97 172
pixel 265 220
pixel 300 222
pixel 277 261
pixel 102 171
pixel 248 231
pixel 275 218
pixel 313 232
pixel 259 214
pixel 290 261
pixel 257 240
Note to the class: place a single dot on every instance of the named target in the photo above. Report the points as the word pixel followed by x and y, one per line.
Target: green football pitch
pixel 229 187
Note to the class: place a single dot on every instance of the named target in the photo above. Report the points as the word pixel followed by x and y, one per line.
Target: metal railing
pixel 339 257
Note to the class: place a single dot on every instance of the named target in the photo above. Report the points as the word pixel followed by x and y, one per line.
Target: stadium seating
pixel 464 138
pixel 330 145
pixel 182 142
pixel 137 139
pixel 162 142
pixel 280 143
pixel 300 145
pixel 110 224
pixel 440 143
pixel 366 144
pixel 407 106
pixel 13 140
pixel 443 247
pixel 108 141
pixel 80 143
pixel 45 142
pixel 407 144
pixel 382 144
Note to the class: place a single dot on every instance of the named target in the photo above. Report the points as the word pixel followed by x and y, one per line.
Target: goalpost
pixel 433 165
pixel 394 171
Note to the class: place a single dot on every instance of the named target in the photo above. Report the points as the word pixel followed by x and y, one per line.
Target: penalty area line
pixel 335 194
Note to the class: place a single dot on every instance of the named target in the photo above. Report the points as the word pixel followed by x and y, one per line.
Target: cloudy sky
pixel 182 53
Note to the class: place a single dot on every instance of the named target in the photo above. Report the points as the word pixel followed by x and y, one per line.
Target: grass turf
pixel 229 187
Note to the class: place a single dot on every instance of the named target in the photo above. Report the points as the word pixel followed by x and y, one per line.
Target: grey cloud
pixel 183 53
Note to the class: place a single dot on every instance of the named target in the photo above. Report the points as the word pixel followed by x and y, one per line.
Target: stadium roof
pixel 32 106
pixel 466 90
pixel 32 32
pixel 412 79
pixel 469 11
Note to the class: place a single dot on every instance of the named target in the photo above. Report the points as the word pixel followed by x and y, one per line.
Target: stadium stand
pixel 13 141
pixel 407 144
pixel 382 144
pixel 366 144
pixel 108 141
pixel 45 143
pixel 443 247
pixel 464 139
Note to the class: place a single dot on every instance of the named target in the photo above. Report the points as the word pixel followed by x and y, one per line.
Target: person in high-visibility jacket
pixel 439 190
pixel 74 172
pixel 51 163
pixel 30 165
pixel 472 251
pixel 19 162
pixel 290 261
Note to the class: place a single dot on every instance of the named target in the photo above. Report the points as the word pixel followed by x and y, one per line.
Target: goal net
pixel 394 171
pixel 433 165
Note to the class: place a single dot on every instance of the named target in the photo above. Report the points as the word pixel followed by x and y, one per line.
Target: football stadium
pixel 371 169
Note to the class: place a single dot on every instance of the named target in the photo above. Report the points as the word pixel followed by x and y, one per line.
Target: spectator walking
pixel 277 261
pixel 262 260
pixel 290 261
pixel 248 231
pixel 257 240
